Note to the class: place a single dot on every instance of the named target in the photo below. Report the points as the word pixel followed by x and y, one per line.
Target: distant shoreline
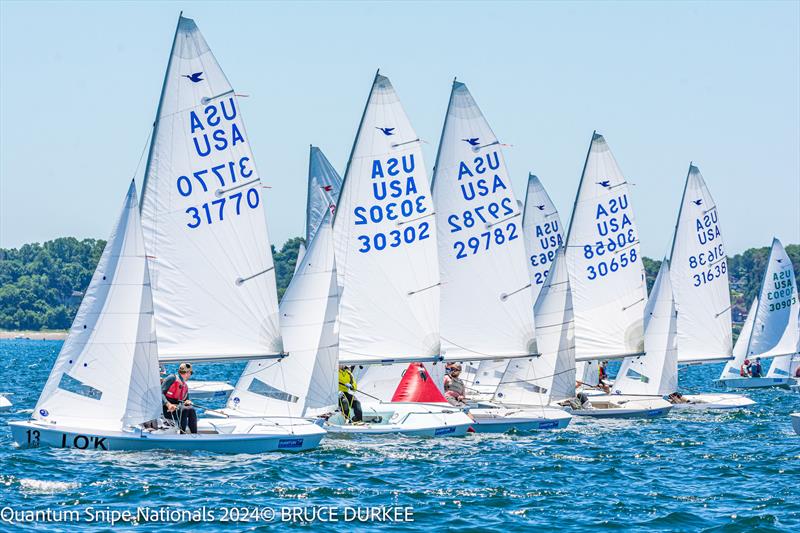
pixel 50 335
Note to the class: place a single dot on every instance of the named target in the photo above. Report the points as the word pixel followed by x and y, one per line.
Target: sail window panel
pixel 75 386
pixel 263 389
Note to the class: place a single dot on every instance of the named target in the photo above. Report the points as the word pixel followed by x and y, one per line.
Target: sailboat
pixel 548 380
pixel 699 276
pixel 387 270
pixel 203 219
pixel 770 329
pixel 5 403
pixel 486 304
pixel 303 384
pixel 104 392
pixel 607 278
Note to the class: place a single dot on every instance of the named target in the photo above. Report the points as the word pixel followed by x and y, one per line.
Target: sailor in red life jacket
pixel 175 390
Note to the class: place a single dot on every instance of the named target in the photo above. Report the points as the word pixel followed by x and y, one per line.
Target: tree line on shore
pixel 41 285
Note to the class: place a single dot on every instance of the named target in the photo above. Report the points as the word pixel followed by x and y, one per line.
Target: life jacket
pixel 742 371
pixel 178 391
pixel 345 377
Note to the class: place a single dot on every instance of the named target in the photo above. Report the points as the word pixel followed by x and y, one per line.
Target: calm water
pixel 688 472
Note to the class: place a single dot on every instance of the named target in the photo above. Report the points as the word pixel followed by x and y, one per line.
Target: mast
pixel 158 114
pixel 680 212
pixel 441 136
pixel 760 289
pixel 355 140
pixel 580 185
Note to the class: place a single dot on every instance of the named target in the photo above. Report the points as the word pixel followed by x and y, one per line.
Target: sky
pixel 716 83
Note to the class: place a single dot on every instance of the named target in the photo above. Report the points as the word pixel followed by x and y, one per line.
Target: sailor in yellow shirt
pixel 347 399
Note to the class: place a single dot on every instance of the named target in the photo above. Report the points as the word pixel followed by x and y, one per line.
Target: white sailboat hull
pixel 210 390
pixel 501 419
pixel 714 401
pixel 5 403
pixel 621 406
pixel 223 436
pixel 400 418
pixel 755 383
pixel 796 422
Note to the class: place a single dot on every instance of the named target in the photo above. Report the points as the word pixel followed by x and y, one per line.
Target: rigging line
pixel 141 157
pixel 255 182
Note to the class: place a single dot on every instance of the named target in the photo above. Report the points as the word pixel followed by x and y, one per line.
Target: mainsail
pixel 324 185
pixel 786 365
pixel 605 266
pixel 385 241
pixel 543 233
pixel 106 375
pixel 551 377
pixel 486 304
pixel 203 218
pixel 771 327
pixel 699 270
pixel 304 383
pixel 656 372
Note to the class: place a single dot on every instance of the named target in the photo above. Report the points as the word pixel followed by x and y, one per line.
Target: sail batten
pixel 213 279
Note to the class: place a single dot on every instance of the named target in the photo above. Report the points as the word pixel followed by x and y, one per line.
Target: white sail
pixel 550 377
pixel 732 367
pixel 486 304
pixel 324 185
pixel 775 324
pixel 605 265
pixel 203 218
pixel 385 238
pixel 304 383
pixel 301 252
pixel 699 270
pixel 543 233
pixel 656 372
pixel 106 375
pixel 786 365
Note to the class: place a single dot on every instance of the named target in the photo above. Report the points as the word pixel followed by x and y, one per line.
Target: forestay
pixel 324 185
pixel 203 218
pixel 385 238
pixel 106 375
pixel 303 384
pixel 543 233
pixel 604 263
pixel 551 377
pixel 699 271
pixel 656 372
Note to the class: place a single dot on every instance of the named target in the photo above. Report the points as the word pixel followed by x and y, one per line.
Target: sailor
pixel 177 405
pixel 454 388
pixel 347 399
pixel 744 370
pixel 755 368
pixel 602 377
pixel 676 397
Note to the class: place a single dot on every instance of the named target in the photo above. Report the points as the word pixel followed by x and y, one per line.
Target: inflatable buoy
pixel 416 385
